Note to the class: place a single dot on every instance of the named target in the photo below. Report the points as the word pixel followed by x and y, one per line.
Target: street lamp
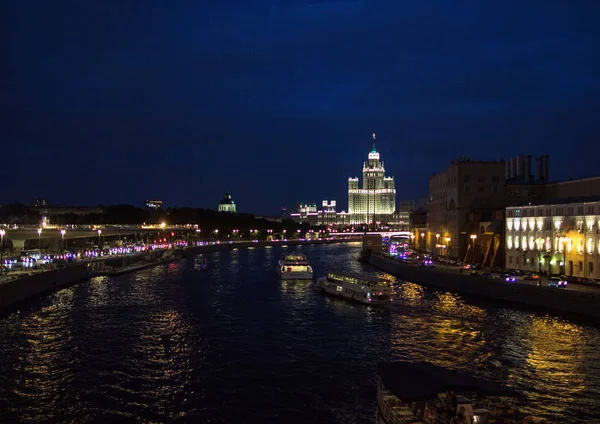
pixel 2 232
pixel 39 231
pixel 447 244
pixel 473 237
pixel 437 241
pixel 99 240
pixel 62 234
pixel 540 242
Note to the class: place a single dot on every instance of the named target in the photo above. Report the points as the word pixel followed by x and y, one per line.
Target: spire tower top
pixel 373 150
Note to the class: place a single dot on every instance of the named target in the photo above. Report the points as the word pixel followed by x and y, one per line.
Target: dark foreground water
pixel 250 348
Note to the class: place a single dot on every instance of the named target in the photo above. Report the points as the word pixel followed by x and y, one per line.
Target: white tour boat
pixel 369 290
pixel 200 263
pixel 295 267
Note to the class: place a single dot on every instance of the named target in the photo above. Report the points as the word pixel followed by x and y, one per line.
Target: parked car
pixel 588 282
pixel 508 278
pixel 557 282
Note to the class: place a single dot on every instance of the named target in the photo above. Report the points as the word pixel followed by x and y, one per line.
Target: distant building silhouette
pixel 153 204
pixel 39 203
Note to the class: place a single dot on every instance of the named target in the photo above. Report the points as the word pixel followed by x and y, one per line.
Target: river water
pixel 250 348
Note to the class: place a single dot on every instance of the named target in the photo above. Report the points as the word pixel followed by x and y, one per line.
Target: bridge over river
pixel 50 237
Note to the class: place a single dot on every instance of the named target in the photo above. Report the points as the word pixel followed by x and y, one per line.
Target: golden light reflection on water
pixel 98 291
pixel 453 331
pixel 297 289
pixel 42 358
pixel 410 293
pixel 555 352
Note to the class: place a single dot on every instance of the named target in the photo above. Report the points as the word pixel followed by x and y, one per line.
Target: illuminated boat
pixel 200 263
pixel 371 291
pixel 421 392
pixel 295 267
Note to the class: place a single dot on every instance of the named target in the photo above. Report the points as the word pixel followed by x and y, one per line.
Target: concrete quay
pixel 14 292
pixel 571 302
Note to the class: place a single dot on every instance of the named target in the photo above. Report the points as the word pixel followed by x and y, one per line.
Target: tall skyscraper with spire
pixel 376 200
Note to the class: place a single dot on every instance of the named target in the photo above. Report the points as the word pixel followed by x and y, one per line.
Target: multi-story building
pixel 560 237
pixel 327 215
pixel 400 219
pixel 464 187
pixel 376 200
pixel 305 212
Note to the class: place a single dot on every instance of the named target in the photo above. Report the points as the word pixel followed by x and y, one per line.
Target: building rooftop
pixel 563 201
pixel 574 180
pixel 226 199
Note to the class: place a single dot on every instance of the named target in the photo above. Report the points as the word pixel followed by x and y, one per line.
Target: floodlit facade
pixel 376 200
pixel 227 204
pixel 561 237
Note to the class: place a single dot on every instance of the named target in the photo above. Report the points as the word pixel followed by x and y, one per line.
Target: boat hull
pixel 296 275
pixel 327 289
pixel 295 270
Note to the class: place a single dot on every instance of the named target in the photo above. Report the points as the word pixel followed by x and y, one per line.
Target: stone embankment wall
pixel 585 304
pixel 13 292
pixel 16 291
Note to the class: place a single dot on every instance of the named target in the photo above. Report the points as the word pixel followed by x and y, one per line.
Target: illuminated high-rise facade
pixel 376 200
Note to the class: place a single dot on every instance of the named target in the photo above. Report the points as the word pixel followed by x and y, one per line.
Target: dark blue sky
pixel 116 101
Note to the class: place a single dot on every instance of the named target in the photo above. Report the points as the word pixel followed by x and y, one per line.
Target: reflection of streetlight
pixel 39 231
pixel 62 234
pixel 473 237
pixel 2 232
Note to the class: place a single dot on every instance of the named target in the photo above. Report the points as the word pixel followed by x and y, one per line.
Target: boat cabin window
pixel 332 276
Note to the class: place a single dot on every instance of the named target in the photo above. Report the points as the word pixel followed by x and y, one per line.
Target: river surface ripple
pixel 250 348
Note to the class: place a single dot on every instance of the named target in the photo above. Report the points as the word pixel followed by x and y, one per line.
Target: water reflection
pixel 249 347
pixel 409 294
pixel 98 291
pixel 296 289
pixel 555 350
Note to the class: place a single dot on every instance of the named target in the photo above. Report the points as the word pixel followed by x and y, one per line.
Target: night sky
pixel 115 101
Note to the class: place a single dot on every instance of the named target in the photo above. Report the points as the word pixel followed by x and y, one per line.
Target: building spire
pixel 374 150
